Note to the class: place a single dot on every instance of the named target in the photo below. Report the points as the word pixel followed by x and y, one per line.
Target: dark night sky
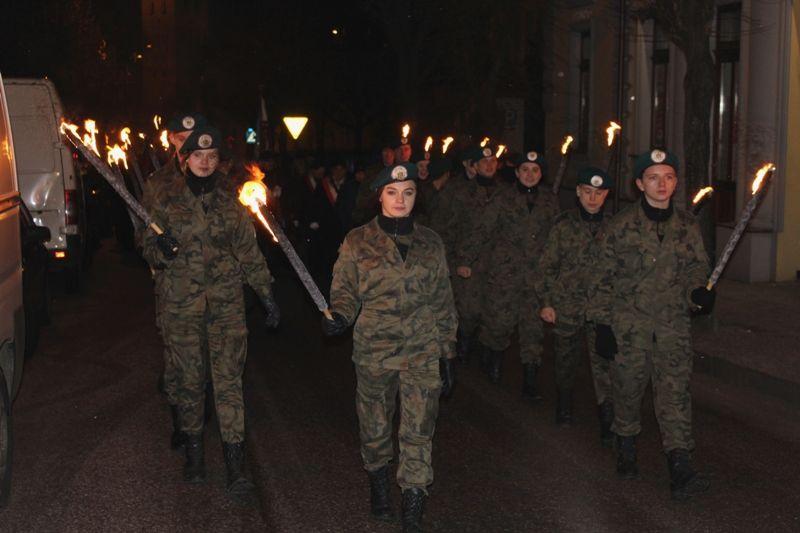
pixel 440 64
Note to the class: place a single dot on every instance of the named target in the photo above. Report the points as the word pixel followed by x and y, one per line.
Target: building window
pixel 726 111
pixel 658 114
pixel 584 93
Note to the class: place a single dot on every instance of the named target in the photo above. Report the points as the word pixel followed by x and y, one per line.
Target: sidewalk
pixel 753 339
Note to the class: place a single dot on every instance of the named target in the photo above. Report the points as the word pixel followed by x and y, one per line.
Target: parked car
pixel 35 282
pixel 12 314
pixel 48 180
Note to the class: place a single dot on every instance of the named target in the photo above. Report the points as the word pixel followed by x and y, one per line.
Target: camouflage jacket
pixel 476 214
pixel 155 179
pixel 437 212
pixel 643 287
pixel 520 237
pixel 218 250
pixel 568 267
pixel 403 310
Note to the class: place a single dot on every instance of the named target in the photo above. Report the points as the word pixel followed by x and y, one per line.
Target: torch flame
pixel 500 150
pixel 406 131
pixel 163 139
pixel 141 136
pixel 66 126
pixel 90 137
pixel 428 144
pixel 760 175
pixel 254 195
pixel 157 122
pixel 446 144
pixel 125 136
pixel 484 142
pixel 611 132
pixel 565 146
pixel 702 193
pixel 116 154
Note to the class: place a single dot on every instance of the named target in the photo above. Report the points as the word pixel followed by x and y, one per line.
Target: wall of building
pixel 788 239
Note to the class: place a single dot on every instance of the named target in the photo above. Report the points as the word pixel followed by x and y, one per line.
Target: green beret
pixel 398 172
pixel 203 138
pixel 476 153
pixel 596 177
pixel 654 157
pixel 186 122
pixel 439 166
pixel 529 157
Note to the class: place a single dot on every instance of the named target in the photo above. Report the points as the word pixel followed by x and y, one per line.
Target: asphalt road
pixel 91 440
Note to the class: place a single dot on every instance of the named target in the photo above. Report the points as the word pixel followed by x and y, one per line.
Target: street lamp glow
pixel 295 125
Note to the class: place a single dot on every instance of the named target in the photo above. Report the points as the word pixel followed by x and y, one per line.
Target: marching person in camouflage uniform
pixel 525 216
pixel 391 280
pixel 568 265
pixel 477 203
pixel 178 128
pixel 208 251
pixel 652 272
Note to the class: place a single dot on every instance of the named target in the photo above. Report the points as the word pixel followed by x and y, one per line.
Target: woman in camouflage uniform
pixel 208 251
pixel 392 281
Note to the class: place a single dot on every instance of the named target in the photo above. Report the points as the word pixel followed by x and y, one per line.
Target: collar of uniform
pixel 527 190
pixel 396 226
pixel 591 217
pixel 200 185
pixel 656 214
pixel 485 182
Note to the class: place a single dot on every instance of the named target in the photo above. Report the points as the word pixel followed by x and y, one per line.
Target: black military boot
pixel 529 371
pixel 626 457
pixel 463 345
pixel 684 482
pixel 564 408
pixel 194 471
pixel 494 371
pixel 240 489
pixel 379 499
pixel 606 414
pixel 178 438
pixel 413 506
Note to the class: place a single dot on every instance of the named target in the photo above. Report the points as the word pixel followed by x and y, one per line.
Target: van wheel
pixel 6 444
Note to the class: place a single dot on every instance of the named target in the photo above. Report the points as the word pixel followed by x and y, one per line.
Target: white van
pixel 48 181
pixel 12 314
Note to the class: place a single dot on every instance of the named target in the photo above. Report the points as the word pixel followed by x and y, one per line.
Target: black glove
pixel 337 326
pixel 704 299
pixel 168 245
pixel 605 342
pixel 447 371
pixel 273 312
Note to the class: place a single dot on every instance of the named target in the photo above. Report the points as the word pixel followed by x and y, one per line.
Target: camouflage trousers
pixel 193 340
pixel 507 310
pixel 169 376
pixel 469 296
pixel 376 397
pixel 669 371
pixel 570 346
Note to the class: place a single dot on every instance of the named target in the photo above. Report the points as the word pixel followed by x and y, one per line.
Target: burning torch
pixel 612 132
pixel 446 144
pixel 404 133
pixel 562 167
pixel 254 196
pixel 70 131
pixel 762 175
pixel 700 199
pixel 428 144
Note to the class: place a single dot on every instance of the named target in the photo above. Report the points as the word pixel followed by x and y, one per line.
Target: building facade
pixel 755 116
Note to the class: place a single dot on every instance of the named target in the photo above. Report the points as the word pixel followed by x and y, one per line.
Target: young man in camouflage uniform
pixel 178 128
pixel 526 215
pixel 652 273
pixel 392 281
pixel 568 266
pixel 208 251
pixel 476 205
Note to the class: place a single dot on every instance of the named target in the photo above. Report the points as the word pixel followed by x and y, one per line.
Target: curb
pixel 737 375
